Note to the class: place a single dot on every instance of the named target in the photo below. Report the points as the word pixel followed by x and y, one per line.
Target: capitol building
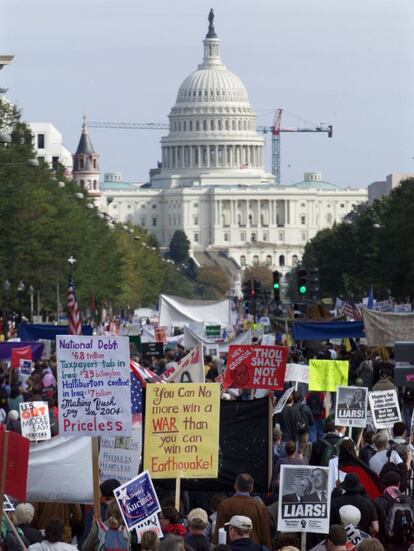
pixel 212 182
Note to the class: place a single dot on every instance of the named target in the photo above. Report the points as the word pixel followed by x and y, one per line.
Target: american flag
pixel 136 401
pixel 75 327
pixel 351 311
pixel 144 375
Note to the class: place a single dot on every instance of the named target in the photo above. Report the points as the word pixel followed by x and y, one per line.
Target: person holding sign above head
pixel 239 529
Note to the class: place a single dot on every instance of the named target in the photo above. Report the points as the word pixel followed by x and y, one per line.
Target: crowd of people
pixel 304 433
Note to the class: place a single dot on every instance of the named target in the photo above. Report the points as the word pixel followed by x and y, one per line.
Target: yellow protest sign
pixel 328 374
pixel 182 430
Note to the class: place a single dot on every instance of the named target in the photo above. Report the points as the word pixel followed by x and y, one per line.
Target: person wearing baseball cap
pixel 197 523
pixel 239 529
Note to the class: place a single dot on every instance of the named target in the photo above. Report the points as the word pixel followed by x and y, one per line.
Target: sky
pixel 346 63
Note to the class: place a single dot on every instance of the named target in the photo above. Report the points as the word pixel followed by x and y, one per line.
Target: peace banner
pixel 327 375
pixel 250 366
pixel 182 430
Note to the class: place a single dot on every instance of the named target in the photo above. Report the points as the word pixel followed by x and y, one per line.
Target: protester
pixel 243 504
pixel 149 541
pixel 290 459
pixel 111 534
pixel 171 522
pixel 290 421
pixel 278 446
pixel 315 402
pixel 306 422
pixel 54 532
pixel 171 543
pixel 368 450
pixel 327 448
pixel 386 460
pixel 239 530
pixel 197 523
pixel 336 539
pixel 371 544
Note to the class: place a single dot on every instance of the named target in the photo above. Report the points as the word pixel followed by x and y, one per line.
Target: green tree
pixel 262 273
pixel 179 247
pixel 212 282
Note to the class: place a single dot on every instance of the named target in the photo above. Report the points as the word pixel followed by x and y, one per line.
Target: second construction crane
pixel 276 129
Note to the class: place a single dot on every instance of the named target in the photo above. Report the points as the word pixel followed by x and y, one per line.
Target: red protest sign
pixel 256 366
pixel 14 452
pixel 20 353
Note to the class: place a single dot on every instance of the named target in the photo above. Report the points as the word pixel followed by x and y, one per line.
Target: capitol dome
pixel 212 124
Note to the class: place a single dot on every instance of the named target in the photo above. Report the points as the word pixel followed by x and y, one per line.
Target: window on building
pixel 81 164
pixel 41 141
pixel 154 222
pixel 94 163
pixel 95 184
pixel 253 238
pixel 281 236
pixel 242 260
pixel 143 221
pixel 329 218
pixel 219 125
pixel 211 125
pixel 82 183
pixel 265 236
pixel 196 237
pixel 303 219
pixel 55 161
pixel 256 260
pixel 304 236
pixel 204 125
pixel 342 205
pixel 185 126
pixel 243 236
pixel 295 260
pixel 154 205
pixel 191 126
pixel 282 260
pixel 195 205
pixel 303 205
pixel 195 219
pixel 268 260
pixel 226 236
pixel 197 125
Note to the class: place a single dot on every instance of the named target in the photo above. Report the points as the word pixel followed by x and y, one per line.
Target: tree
pixel 179 247
pixel 261 272
pixel 213 282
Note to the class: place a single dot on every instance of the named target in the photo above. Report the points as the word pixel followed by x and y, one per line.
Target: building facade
pixel 212 181
pixel 49 147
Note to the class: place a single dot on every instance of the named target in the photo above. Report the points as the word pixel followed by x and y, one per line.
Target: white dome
pixel 215 83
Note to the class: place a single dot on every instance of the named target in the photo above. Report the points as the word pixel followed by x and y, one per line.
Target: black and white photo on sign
pixel 385 408
pixel 304 499
pixel 351 406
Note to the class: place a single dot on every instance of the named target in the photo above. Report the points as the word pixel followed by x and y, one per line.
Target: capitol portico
pixel 212 181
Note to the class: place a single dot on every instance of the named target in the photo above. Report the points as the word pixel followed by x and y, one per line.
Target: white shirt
pixel 379 459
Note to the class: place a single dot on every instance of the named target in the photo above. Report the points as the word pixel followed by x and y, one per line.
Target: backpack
pixel 391 467
pixel 399 520
pixel 330 451
pixel 110 539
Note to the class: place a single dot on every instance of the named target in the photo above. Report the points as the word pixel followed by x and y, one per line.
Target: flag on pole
pixel 75 327
pixel 352 311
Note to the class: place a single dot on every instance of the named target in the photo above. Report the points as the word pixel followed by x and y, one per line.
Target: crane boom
pixel 275 130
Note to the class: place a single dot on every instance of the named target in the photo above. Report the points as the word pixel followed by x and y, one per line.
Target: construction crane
pixel 275 130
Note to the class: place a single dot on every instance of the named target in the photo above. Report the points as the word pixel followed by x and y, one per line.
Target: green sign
pixel 213 330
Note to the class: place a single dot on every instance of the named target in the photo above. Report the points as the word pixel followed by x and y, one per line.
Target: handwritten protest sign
pixel 120 456
pixel 35 422
pixel 137 500
pixel 251 366
pixel 327 375
pixel 385 408
pixel 93 385
pixel 152 524
pixel 182 430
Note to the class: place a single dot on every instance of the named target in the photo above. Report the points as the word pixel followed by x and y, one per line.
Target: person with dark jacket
pixel 23 515
pixel 239 529
pixel 331 437
pixel 290 420
pixel 198 521
pixel 368 450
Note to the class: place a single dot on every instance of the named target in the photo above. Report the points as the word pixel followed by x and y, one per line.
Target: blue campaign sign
pixel 137 500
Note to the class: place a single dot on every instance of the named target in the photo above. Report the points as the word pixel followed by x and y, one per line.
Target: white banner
pixel 189 369
pixel 34 419
pixel 120 456
pixel 60 470
pixel 268 340
pixel 385 408
pixel 93 385
pixel 351 406
pixel 297 372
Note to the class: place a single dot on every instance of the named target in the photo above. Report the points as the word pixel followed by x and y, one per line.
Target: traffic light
pixel 302 281
pixel 276 286
pixel 314 283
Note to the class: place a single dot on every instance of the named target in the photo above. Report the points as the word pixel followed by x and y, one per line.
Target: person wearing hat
pixel 353 496
pixel 352 515
pixel 197 523
pixel 242 503
pixel 239 530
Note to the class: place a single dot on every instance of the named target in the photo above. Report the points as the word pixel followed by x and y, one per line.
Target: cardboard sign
pixel 327 375
pixel 351 406
pixel 93 385
pixel 120 456
pixel 304 499
pixel 268 340
pixel 151 350
pixel 34 419
pixel 137 500
pixel 282 400
pixel 385 408
pixel 297 373
pixel 152 524
pixel 256 366
pixel 182 430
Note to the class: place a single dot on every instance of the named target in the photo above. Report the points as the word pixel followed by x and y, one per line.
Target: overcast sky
pixel 346 63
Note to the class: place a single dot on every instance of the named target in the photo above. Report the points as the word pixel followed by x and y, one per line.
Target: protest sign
pixel 385 408
pixel 189 369
pixel 17 354
pixel 137 500
pixel 351 406
pixel 327 375
pixel 93 385
pixel 297 373
pixel 160 335
pixel 304 499
pixel 151 350
pixel 354 536
pixel 213 331
pixel 34 419
pixel 8 506
pixel 268 340
pixel 152 524
pixel 120 456
pixel 14 457
pixel 282 401
pixel 250 366
pixel 182 430
pixel 212 350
